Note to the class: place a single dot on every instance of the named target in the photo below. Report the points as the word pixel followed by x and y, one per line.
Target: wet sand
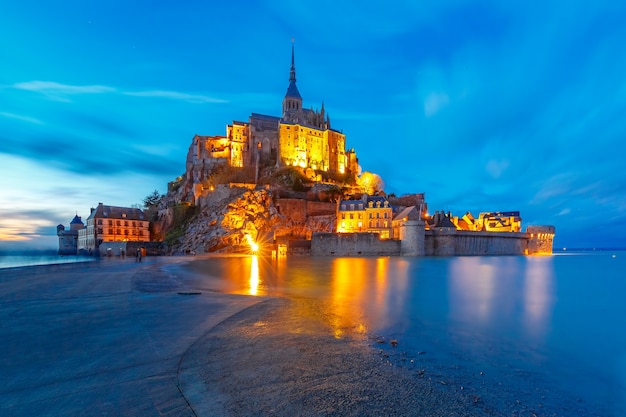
pixel 280 358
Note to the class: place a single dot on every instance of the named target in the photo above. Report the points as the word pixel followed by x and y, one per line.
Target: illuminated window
pixel 360 216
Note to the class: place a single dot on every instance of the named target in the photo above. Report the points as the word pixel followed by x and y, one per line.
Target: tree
pixel 152 199
pixel 371 183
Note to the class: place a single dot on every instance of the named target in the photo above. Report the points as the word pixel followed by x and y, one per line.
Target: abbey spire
pixel 292 103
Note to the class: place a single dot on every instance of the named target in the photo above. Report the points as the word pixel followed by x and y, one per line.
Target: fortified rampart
pixel 540 240
pixel 415 241
pixel 456 242
pixel 353 244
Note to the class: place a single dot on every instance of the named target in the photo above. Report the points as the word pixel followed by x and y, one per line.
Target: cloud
pixel 175 95
pixel 435 102
pixel 26 119
pixel 60 92
pixel 51 87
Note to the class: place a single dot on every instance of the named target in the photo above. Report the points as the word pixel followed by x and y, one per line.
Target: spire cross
pixel 292 72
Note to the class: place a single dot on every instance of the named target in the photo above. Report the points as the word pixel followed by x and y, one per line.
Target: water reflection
pixel 502 295
pixel 254 275
pixel 538 298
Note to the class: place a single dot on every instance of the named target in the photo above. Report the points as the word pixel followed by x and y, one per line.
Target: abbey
pixel 300 137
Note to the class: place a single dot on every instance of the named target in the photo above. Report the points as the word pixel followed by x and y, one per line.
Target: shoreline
pixel 128 338
pixel 278 358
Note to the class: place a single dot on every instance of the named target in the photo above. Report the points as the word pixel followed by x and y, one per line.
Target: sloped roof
pixel 292 90
pixel 77 220
pixel 410 212
pixel 114 212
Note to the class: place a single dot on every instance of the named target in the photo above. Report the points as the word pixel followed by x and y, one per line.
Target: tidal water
pixel 15 261
pixel 547 332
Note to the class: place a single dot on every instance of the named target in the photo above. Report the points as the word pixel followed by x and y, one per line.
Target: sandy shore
pixel 280 358
pixel 123 338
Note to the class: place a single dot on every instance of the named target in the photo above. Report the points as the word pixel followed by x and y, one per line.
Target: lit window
pixel 343 215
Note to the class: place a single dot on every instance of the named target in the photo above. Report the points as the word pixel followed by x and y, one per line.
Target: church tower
pixel 292 103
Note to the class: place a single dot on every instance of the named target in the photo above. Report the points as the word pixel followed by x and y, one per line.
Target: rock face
pixel 230 214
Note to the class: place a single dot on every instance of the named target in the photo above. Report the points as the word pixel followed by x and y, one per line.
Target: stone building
pixel 371 214
pixel 300 137
pixel 112 224
pixel 68 239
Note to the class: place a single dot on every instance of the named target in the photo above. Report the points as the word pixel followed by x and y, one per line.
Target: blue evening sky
pixel 484 106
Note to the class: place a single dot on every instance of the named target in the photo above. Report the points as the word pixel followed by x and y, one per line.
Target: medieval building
pixel 112 224
pixel 300 137
pixel 68 239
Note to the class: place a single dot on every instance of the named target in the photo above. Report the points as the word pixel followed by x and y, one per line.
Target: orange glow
pixel 254 275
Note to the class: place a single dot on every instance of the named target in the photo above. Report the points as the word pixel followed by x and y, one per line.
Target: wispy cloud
pixel 175 95
pixel 51 87
pixel 60 92
pixel 22 118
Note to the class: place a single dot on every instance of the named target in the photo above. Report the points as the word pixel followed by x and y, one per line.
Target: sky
pixel 481 105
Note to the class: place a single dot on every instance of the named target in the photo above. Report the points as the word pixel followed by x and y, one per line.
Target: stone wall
pixel 451 242
pixel 352 244
pixel 540 239
pixel 298 210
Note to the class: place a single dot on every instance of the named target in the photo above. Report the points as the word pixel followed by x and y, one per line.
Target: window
pixel 370 223
pixel 351 216
pixel 378 215
pixel 360 206
pixel 360 216
pixel 370 215
pixel 351 206
pixel 343 215
pixel 110 222
pixel 386 214
pixel 126 223
pixel 119 223
pixel 360 225
pixel 100 221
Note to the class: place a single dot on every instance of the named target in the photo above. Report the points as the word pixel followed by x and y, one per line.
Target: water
pixel 14 261
pixel 542 334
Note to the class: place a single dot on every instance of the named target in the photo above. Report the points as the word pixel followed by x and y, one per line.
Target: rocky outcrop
pixel 230 214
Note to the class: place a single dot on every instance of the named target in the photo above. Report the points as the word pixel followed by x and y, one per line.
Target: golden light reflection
pixel 254 275
pixel 349 289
